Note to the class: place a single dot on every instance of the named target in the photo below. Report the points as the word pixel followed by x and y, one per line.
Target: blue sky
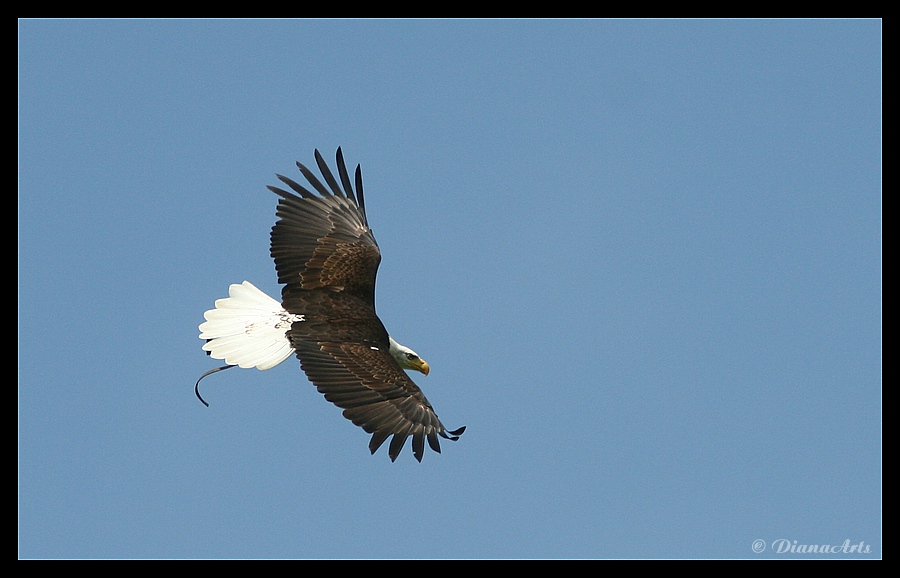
pixel 643 259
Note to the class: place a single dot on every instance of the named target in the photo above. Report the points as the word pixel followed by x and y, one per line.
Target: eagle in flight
pixel 327 258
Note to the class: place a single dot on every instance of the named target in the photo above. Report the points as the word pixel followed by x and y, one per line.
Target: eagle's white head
pixel 407 358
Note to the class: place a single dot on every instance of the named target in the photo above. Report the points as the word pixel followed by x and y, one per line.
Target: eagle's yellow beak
pixel 420 365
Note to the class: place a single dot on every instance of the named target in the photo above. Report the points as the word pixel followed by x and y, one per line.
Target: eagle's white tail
pixel 248 329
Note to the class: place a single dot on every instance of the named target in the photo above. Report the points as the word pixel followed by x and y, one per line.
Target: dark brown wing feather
pixel 327 257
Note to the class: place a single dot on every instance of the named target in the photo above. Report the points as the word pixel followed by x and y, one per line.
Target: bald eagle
pixel 327 258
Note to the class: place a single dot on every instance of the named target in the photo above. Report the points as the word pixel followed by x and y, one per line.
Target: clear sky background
pixel 643 258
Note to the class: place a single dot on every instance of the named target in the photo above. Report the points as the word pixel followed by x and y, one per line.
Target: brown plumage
pixel 327 259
